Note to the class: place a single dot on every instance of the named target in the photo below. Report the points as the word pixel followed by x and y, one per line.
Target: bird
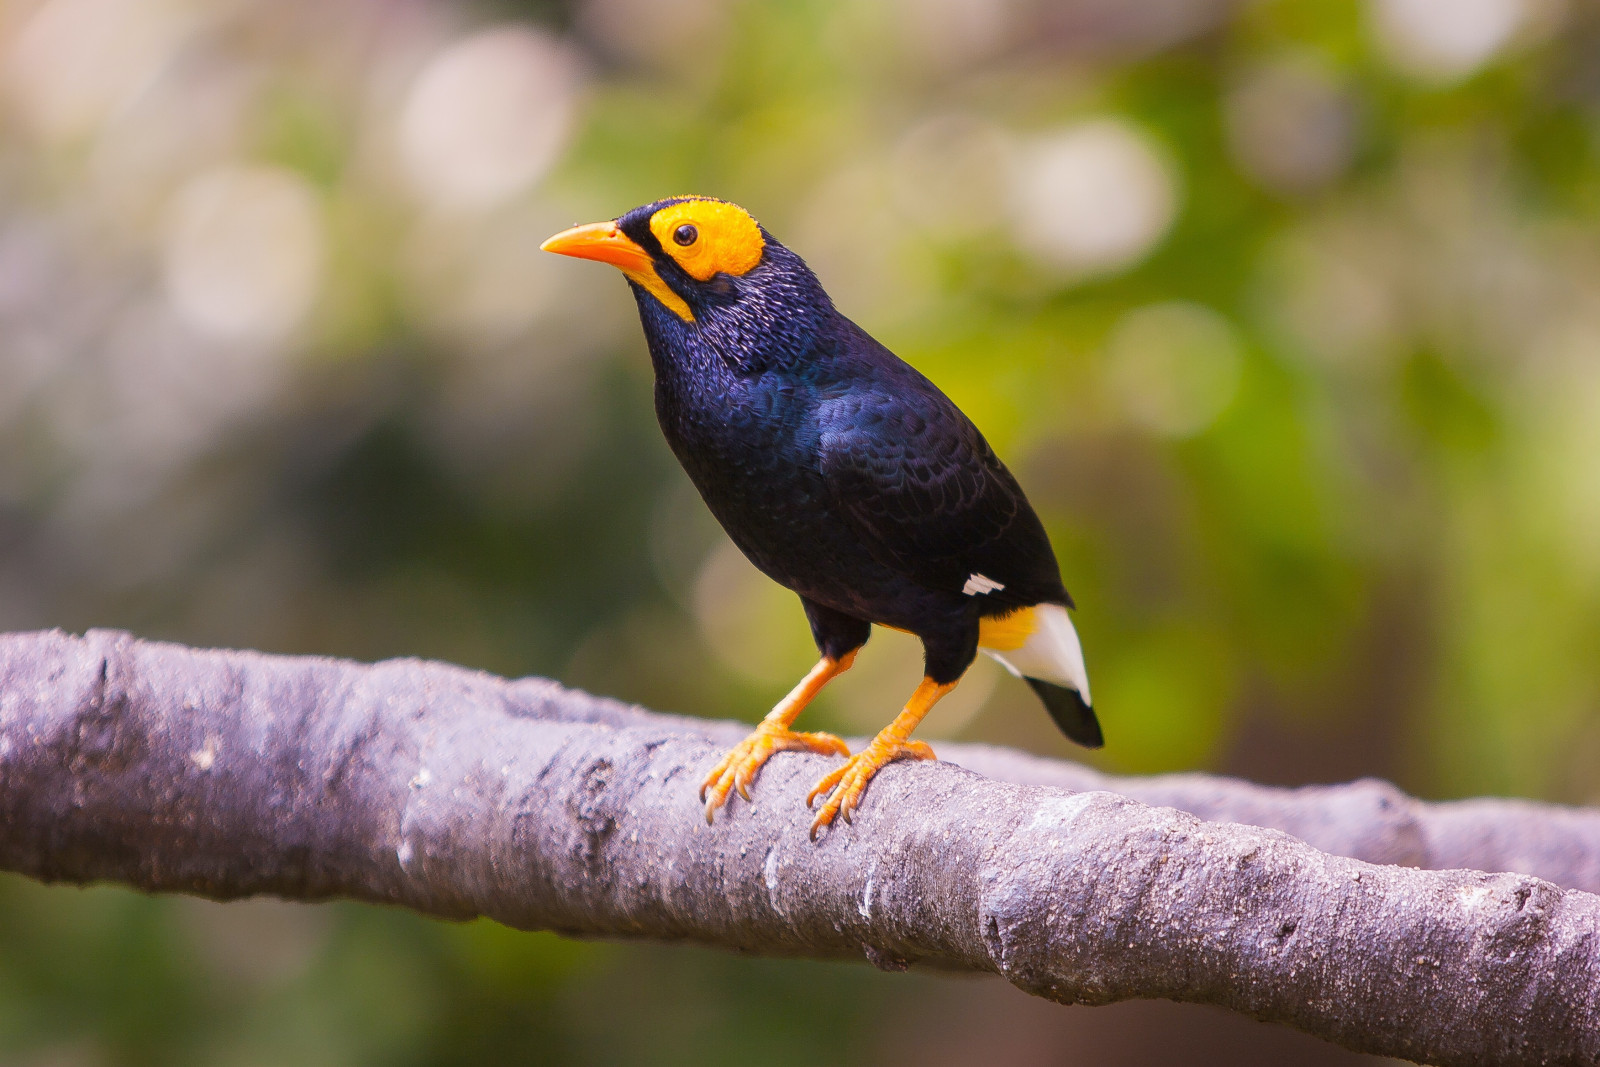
pixel 842 473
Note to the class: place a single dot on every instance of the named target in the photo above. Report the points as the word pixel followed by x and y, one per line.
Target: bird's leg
pixel 739 767
pixel 892 743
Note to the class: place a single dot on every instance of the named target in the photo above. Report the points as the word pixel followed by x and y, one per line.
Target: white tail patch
pixel 1051 653
pixel 977 583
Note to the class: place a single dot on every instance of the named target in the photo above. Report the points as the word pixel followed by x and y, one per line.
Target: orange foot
pixel 850 781
pixel 740 766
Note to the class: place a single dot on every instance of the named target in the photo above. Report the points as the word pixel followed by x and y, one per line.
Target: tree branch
pixel 459 794
pixel 1369 820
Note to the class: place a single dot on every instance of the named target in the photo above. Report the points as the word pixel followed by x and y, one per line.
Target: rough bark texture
pixel 458 794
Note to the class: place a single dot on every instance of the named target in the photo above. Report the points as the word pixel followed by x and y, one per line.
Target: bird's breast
pixel 752 452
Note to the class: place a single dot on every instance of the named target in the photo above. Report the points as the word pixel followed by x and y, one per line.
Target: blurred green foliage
pixel 1308 396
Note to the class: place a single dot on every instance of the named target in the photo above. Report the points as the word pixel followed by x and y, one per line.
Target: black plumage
pixel 1069 711
pixel 839 470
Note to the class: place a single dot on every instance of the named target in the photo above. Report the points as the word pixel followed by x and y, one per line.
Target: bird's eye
pixel 685 234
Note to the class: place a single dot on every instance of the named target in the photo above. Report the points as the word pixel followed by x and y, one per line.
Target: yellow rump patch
pixel 1007 633
pixel 709 237
pixel 999 633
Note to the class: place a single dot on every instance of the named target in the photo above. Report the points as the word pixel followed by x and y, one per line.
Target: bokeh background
pixel 1286 312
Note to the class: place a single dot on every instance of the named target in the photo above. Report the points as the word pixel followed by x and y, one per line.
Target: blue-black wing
pixel 929 497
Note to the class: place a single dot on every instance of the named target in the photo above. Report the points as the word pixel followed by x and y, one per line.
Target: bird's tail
pixel 1070 711
pixel 1040 646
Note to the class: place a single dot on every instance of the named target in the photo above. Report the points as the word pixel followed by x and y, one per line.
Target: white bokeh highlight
pixel 75 63
pixel 487 116
pixel 1445 40
pixel 244 252
pixel 1092 198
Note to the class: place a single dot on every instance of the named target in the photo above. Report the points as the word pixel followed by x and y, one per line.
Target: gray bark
pixel 458 794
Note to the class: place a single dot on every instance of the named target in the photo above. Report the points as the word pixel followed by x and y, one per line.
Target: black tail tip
pixel 1067 708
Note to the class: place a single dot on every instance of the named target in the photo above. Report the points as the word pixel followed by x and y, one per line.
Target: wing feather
pixel 929 497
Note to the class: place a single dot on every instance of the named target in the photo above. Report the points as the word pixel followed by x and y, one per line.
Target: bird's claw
pixel 847 783
pixel 744 761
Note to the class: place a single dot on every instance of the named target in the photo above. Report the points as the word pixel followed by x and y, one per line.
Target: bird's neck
pixel 745 342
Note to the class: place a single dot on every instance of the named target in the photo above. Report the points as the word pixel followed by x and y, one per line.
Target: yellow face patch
pixel 709 237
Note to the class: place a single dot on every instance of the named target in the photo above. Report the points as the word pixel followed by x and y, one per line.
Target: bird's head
pixel 709 264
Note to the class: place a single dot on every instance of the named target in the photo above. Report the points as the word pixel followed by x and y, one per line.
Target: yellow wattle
pixel 653 284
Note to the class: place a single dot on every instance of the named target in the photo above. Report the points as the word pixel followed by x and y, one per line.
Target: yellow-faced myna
pixel 842 473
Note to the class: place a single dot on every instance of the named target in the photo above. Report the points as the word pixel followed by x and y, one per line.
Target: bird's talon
pixel 738 769
pixel 825 786
pixel 846 785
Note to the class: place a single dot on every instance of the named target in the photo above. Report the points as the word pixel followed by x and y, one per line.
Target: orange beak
pixel 600 241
